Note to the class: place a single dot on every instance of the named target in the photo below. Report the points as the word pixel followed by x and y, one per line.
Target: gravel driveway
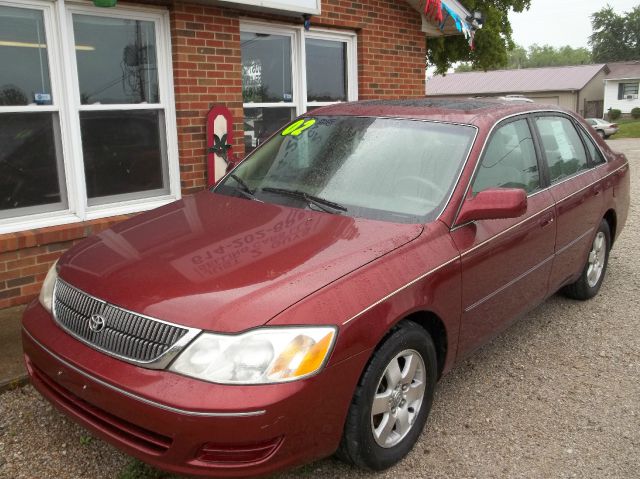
pixel 557 395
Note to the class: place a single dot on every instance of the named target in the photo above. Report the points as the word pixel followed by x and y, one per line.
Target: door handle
pixel 546 221
pixel 597 190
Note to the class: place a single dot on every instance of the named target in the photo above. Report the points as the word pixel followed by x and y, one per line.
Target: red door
pixel 577 193
pixel 505 263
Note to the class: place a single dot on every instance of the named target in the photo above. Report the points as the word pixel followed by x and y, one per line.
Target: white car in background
pixel 604 128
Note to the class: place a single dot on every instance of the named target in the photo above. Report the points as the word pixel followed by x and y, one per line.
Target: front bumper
pixel 165 419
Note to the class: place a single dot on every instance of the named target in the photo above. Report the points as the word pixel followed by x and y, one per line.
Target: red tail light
pixel 238 454
pixel 614 125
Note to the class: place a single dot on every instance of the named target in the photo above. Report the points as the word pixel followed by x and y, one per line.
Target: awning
pixel 446 18
pixel 311 7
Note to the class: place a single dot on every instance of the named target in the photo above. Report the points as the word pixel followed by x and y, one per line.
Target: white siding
pixel 611 97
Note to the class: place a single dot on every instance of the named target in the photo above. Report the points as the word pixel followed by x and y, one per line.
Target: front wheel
pixel 590 281
pixel 392 400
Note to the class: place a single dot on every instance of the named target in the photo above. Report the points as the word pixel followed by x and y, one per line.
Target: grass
pixel 629 128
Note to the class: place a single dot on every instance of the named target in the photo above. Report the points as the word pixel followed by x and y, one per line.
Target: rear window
pixel 563 148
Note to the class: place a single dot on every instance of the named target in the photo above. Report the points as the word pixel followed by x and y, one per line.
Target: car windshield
pixel 396 170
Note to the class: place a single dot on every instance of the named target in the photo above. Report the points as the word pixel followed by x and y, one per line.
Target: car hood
pixel 222 263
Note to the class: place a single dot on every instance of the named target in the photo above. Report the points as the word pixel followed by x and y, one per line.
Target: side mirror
pixel 493 204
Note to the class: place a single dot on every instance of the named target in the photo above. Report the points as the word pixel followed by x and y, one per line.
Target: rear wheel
pixel 590 281
pixel 392 400
pixel 601 133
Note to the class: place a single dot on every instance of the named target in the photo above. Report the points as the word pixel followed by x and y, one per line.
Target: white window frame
pixel 298 34
pixel 66 101
pixel 350 39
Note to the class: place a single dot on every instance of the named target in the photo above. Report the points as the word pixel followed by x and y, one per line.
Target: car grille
pixel 126 335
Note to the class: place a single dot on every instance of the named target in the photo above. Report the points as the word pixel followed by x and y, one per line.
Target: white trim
pixel 39 220
pixel 121 106
pixel 30 108
pixel 288 104
pixel 630 79
pixel 65 91
pixel 282 7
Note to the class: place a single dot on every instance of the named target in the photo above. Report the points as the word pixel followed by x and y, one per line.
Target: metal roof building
pixel 579 88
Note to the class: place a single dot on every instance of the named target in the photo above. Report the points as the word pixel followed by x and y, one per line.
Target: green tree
pixel 517 57
pixel 615 37
pixel 540 56
pixel 491 42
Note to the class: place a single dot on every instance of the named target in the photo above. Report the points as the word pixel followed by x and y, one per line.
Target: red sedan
pixel 309 303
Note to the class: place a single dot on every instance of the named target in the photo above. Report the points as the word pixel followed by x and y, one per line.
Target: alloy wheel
pixel 597 258
pixel 398 398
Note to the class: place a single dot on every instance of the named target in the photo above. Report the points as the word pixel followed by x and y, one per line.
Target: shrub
pixel 635 113
pixel 614 114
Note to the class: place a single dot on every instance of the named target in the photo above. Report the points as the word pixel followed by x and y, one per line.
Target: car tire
pixel 590 280
pixel 403 368
pixel 601 133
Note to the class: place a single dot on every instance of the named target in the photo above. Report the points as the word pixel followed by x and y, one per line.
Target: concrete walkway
pixel 12 371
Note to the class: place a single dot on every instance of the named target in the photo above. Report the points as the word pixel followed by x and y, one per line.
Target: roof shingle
pixel 623 70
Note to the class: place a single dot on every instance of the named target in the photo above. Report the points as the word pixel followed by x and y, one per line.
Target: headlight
pixel 262 356
pixel 46 293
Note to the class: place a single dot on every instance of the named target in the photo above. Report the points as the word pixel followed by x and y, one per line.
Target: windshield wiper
pixel 325 205
pixel 244 188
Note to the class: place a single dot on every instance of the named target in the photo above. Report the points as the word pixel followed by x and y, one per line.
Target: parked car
pixel 309 303
pixel 604 128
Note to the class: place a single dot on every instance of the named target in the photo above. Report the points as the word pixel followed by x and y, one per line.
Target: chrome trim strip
pixel 548 207
pixel 571 243
pixel 368 308
pixel 161 362
pixel 515 280
pixel 590 184
pixel 498 235
pixel 141 399
pixel 477 303
pixel 508 285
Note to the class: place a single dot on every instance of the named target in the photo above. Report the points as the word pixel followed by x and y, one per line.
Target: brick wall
pixel 26 257
pixel 207 71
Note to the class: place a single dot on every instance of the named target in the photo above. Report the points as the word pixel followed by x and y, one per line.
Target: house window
pixel 32 176
pixel 287 71
pixel 628 90
pixel 87 125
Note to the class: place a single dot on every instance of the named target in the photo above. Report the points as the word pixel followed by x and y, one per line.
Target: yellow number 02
pixel 298 127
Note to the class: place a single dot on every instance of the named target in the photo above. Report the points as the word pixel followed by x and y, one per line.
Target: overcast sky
pixel 560 22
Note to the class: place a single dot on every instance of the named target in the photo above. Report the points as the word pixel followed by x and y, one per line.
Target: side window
pixel 594 152
pixel 564 151
pixel 509 161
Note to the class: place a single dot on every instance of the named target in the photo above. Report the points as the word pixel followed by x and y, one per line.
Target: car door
pixel 506 262
pixel 576 192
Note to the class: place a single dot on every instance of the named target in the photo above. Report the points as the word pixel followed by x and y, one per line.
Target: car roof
pixel 454 110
